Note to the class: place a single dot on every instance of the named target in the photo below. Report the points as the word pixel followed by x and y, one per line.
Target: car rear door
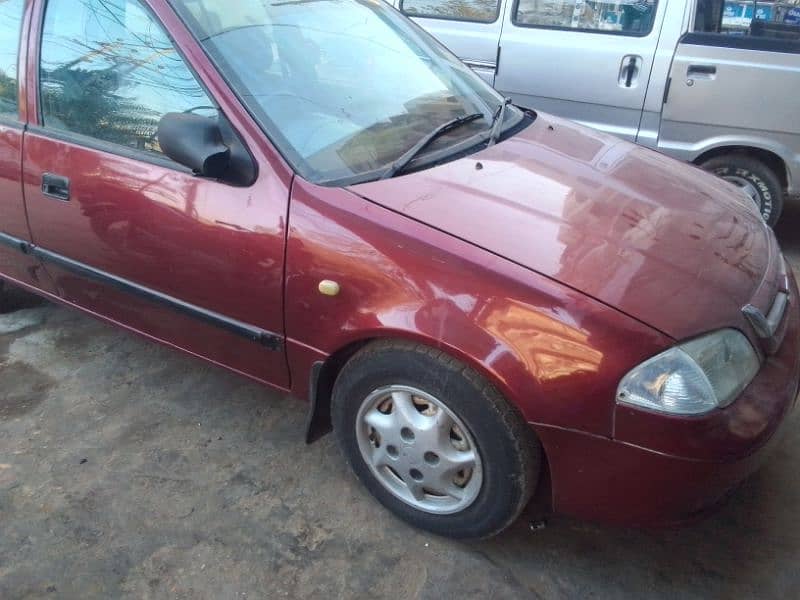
pixel 734 80
pixel 15 263
pixel 469 28
pixel 581 59
pixel 127 233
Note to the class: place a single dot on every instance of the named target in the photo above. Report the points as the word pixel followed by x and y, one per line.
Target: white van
pixel 714 82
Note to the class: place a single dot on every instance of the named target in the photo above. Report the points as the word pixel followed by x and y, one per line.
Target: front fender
pixel 554 353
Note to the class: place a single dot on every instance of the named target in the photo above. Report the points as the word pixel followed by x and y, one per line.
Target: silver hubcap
pixel 746 186
pixel 418 449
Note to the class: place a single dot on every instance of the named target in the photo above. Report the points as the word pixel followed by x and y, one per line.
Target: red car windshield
pixel 342 87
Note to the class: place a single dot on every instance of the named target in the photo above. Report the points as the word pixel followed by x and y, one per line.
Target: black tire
pixel 739 168
pixel 508 448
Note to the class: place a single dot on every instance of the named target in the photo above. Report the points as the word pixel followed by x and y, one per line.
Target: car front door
pixel 469 28
pixel 127 233
pixel 15 263
pixel 586 60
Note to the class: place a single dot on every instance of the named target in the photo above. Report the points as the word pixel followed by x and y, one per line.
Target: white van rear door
pixel 585 60
pixel 469 28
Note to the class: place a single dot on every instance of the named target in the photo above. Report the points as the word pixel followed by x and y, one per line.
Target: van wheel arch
pixel 760 173
pixel 775 163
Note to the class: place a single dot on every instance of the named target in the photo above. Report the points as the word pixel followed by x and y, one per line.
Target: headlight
pixel 692 378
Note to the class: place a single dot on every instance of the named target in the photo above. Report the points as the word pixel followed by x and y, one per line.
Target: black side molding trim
pixel 267 339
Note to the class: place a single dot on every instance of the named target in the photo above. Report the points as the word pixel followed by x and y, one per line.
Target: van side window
pixel 10 27
pixel 628 17
pixel 740 19
pixel 109 71
pixel 480 11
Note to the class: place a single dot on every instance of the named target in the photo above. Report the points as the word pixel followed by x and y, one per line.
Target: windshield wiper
pixel 409 155
pixel 497 122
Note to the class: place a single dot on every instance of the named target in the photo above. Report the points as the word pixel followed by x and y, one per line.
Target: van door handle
pixel 701 71
pixel 629 71
pixel 55 186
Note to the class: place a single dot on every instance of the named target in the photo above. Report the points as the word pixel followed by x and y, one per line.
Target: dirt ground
pixel 128 470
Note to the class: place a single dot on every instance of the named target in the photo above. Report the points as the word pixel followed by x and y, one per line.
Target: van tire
pixel 755 178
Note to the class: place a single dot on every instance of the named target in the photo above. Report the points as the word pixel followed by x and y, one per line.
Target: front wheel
pixel 433 441
pixel 755 179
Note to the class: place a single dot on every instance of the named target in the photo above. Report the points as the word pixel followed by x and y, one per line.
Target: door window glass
pixel 482 11
pixel 109 71
pixel 629 17
pixel 10 27
pixel 743 18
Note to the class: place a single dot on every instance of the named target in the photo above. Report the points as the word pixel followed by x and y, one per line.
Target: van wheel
pixel 755 179
pixel 433 441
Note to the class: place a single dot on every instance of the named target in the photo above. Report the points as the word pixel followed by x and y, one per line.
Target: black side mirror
pixel 208 146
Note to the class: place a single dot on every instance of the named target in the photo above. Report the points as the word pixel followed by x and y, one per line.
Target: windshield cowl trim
pixel 461 149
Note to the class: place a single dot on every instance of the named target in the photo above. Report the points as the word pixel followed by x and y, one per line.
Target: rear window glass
pixel 482 11
pixel 747 18
pixel 629 17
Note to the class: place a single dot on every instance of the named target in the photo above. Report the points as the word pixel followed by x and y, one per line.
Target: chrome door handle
pixel 55 186
pixel 701 71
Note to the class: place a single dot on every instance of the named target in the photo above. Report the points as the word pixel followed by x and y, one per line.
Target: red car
pixel 478 300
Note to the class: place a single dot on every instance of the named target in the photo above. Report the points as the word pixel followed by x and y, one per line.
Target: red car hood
pixel 655 238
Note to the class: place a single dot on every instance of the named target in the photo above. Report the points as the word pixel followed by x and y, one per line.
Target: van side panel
pixel 722 96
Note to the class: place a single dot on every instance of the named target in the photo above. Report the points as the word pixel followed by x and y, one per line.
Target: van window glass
pixel 628 17
pixel 109 71
pixel 481 11
pixel 10 27
pixel 743 18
